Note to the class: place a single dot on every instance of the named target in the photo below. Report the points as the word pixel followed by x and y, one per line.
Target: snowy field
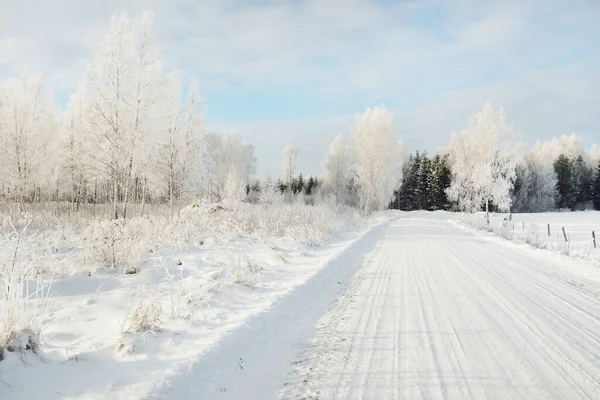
pixel 532 228
pixel 179 287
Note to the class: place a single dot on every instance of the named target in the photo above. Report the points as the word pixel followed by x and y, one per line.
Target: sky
pixel 296 72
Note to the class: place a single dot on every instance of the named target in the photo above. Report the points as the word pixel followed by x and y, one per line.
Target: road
pixel 420 308
pixel 441 313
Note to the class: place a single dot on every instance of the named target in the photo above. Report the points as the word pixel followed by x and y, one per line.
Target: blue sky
pixel 295 72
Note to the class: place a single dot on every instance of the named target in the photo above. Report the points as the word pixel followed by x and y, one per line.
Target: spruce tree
pixel 309 186
pixel 424 200
pixel 567 183
pixel 408 189
pixel 299 184
pixel 584 177
pixel 441 182
pixel 596 188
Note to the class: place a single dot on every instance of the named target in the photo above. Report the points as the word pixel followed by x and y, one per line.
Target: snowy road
pixel 440 313
pixel 418 309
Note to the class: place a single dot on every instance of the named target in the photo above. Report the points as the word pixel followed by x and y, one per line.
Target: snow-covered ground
pixel 414 305
pixel 532 228
pixel 193 296
pixel 443 312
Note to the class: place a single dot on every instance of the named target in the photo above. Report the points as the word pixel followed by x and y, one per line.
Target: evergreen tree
pixel 584 176
pixel 299 184
pixel 567 183
pixel 309 186
pixel 441 182
pixel 408 190
pixel 424 199
pixel 596 189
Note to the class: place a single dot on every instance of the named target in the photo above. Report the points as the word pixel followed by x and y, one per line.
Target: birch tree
pixel 27 127
pixel 121 87
pixel 290 154
pixel 378 156
pixel 337 167
pixel 483 158
pixel 75 148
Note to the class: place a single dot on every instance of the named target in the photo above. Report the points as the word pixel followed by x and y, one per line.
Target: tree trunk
pixel 115 197
pixel 144 194
pixel 487 210
pixel 128 183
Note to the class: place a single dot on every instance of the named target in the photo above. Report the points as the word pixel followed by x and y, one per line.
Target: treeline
pixel 567 183
pixel 128 135
pixel 424 184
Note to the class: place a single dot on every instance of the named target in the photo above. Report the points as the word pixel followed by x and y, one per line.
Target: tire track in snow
pixel 439 314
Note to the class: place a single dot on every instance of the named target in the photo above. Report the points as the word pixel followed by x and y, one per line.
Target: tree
pixel 290 154
pixel 75 148
pixel 596 188
pixel 337 166
pixel 483 159
pixel 233 192
pixel 378 158
pixel 441 182
pixel 535 185
pixel 584 176
pixel 425 185
pixel 27 129
pixel 566 184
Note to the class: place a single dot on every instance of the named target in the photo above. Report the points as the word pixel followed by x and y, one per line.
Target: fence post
pixel 565 234
pixel 548 230
pixel 594 237
pixel 523 226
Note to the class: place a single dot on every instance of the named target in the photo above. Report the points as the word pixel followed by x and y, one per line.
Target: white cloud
pixel 433 62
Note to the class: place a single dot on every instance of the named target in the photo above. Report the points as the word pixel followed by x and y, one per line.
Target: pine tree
pixel 567 183
pixel 596 189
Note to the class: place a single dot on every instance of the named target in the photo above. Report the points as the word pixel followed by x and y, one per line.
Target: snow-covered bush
pixel 245 271
pixel 144 316
pixel 22 304
pixel 119 243
pixel 185 303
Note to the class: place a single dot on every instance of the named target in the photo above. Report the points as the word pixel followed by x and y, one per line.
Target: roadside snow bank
pixel 109 334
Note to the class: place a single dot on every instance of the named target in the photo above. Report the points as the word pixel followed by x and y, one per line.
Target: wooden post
pixel 594 237
pixel 565 234
pixel 523 226
pixel 548 230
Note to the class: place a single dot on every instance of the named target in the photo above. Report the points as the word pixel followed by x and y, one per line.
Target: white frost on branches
pixel 378 158
pixel 338 169
pixel 483 158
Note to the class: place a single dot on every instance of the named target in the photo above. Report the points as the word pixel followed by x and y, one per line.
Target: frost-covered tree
pixel 233 192
pixel 290 154
pixel 122 85
pixel 75 149
pixel 338 169
pixel 378 158
pixel 535 186
pixel 483 158
pixel 27 133
pixel 233 153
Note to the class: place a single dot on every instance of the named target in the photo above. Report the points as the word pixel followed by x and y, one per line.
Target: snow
pixel 414 305
pixel 85 325
pixel 442 312
pixel 532 228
